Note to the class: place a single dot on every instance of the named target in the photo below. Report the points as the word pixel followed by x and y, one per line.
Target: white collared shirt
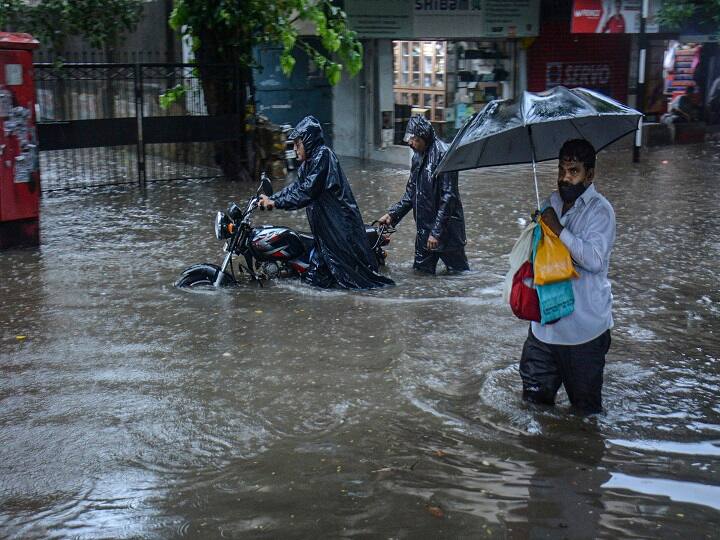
pixel 589 234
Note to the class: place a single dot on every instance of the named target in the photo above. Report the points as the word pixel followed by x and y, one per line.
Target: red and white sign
pixel 586 16
pixel 611 17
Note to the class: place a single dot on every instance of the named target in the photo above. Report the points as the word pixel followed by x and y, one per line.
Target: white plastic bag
pixel 521 252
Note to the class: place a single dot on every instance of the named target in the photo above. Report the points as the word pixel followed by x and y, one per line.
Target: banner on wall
pixel 447 19
pixel 612 17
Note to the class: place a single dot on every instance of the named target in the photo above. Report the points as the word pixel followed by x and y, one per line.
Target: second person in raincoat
pixel 435 202
pixel 342 256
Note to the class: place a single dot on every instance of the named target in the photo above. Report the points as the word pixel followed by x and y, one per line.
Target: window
pixel 419 75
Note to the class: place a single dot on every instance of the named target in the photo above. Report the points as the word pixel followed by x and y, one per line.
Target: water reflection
pixel 564 497
pixel 683 492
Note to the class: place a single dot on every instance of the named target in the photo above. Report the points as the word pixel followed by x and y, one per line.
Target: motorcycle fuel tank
pixel 276 243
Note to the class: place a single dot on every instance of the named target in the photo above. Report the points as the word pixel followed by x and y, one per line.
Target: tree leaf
pixel 333 71
pixel 287 63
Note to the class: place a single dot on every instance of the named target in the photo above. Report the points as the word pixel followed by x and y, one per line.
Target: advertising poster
pixel 612 17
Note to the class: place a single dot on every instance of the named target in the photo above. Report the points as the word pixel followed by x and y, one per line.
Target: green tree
pixel 675 13
pixel 225 32
pixel 102 23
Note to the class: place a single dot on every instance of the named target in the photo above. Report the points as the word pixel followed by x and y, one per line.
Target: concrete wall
pixel 152 41
pixel 358 104
pixel 386 95
pixel 346 103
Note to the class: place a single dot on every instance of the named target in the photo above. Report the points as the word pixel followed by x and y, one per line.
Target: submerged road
pixel 130 409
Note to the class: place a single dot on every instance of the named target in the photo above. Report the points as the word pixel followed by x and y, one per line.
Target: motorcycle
pixel 269 251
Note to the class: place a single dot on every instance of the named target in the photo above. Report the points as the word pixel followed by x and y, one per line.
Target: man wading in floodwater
pixel 435 202
pixel 572 350
pixel 342 256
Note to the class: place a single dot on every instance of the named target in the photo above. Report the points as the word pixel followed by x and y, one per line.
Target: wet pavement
pixel 131 409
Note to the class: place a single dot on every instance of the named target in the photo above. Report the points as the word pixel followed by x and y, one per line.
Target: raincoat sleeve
pixel 449 197
pixel 591 248
pixel 398 210
pixel 307 188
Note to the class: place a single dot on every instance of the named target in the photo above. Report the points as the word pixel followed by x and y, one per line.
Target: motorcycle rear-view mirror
pixel 266 185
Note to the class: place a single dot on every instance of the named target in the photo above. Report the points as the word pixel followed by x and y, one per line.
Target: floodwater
pixel 130 409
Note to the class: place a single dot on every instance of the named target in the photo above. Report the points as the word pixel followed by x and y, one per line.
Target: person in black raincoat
pixel 342 256
pixel 435 202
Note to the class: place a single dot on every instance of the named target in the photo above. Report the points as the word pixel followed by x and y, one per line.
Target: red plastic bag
pixel 523 297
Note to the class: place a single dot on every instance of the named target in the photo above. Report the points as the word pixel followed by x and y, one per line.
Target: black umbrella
pixel 534 126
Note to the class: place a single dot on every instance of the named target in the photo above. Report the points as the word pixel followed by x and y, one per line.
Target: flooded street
pixel 131 409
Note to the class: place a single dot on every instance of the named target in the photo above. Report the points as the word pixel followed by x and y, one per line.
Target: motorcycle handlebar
pixel 382 228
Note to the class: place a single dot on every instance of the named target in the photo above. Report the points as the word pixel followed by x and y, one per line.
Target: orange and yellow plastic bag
pixel 553 262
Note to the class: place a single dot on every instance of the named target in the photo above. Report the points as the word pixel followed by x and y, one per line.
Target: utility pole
pixel 642 41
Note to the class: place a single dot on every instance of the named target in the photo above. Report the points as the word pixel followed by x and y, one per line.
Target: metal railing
pixel 102 124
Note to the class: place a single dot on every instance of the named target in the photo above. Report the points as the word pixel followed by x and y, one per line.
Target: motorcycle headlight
pixel 222 224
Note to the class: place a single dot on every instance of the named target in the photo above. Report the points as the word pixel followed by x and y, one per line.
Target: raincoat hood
pixel 310 132
pixel 342 256
pixel 419 126
pixel 434 199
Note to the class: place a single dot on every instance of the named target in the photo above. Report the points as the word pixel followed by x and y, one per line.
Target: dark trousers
pixel 544 367
pixel 426 260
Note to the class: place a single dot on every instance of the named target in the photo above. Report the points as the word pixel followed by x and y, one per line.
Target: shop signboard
pixel 446 19
pixel 511 18
pixel 380 18
pixel 441 18
pixel 612 17
pixel 595 76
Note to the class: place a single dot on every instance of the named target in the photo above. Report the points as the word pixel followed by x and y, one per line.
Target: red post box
pixel 19 158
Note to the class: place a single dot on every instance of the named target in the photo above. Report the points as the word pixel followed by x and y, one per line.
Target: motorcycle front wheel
pixel 203 276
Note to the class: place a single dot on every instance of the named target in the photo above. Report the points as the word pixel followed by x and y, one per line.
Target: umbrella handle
pixel 532 146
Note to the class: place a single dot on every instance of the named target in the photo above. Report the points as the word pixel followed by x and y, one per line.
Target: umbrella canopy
pixel 534 126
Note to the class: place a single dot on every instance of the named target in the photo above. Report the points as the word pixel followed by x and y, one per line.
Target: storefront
pixel 595 61
pixel 442 58
pixel 691 67
pixel 450 80
pixel 676 66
